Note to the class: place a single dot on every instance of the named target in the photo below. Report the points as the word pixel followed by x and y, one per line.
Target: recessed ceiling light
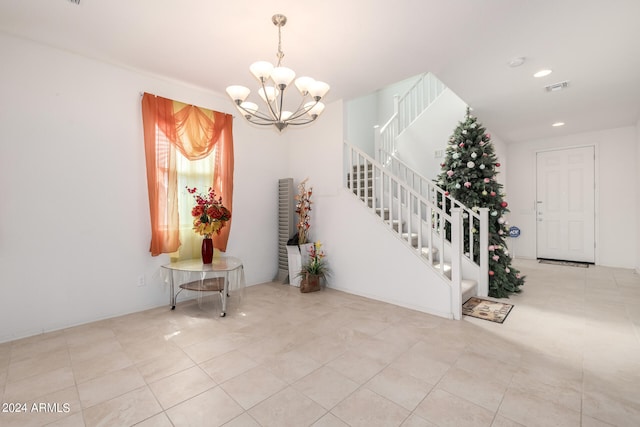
pixel 517 61
pixel 557 124
pixel 542 73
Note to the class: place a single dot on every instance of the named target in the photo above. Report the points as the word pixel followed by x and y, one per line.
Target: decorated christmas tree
pixel 469 176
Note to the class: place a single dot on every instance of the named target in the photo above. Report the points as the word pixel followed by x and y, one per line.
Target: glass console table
pixel 223 275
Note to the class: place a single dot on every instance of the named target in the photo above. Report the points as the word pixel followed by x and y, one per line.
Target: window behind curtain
pixel 191 173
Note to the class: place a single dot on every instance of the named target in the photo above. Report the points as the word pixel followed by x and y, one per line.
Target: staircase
pixel 434 227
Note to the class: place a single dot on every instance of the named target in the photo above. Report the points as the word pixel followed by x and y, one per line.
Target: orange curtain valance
pixel 195 132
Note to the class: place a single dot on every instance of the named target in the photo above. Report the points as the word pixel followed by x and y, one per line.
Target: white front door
pixel 565 211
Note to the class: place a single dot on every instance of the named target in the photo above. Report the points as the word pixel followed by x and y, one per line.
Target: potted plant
pixel 314 270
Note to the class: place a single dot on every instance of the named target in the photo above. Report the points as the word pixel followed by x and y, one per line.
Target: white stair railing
pixel 427 220
pixel 406 109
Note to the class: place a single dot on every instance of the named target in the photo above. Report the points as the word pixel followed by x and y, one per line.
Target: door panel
pixel 566 204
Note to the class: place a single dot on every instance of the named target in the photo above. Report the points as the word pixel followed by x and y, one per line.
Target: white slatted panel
pixel 286 224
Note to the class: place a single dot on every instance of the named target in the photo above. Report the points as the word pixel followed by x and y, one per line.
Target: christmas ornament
pixel 446 193
pixel 501 220
pixel 488 136
pixel 474 155
pixel 500 232
pixel 497 165
pixel 481 166
pixel 484 192
pixel 449 173
pixel 492 248
pixel 494 213
pixel 507 270
pixel 461 145
pixel 455 155
pixel 495 257
pixel 470 165
pixel 504 204
pixel 457 186
pixel 491 273
pixel 487 180
pixel 467 184
pixel 493 194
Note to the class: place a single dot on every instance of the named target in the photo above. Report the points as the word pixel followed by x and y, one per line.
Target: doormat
pixel 487 310
pixel 566 263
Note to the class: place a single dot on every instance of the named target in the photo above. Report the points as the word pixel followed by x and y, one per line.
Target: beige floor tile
pixel 365 408
pixel 38 345
pixel 479 387
pixel 38 385
pixel 532 411
pixel 86 352
pixel 227 366
pixel 100 365
pixel 253 386
pixel 329 420
pixel 38 364
pixel 356 366
pixel 75 420
pixel 181 386
pixel 399 387
pixel 291 366
pixel 326 387
pixel 287 408
pixel 244 420
pixel 415 421
pixel 159 420
pixel 172 361
pixel 418 363
pixel 108 386
pixel 611 408
pixel 209 409
pixel 125 410
pixel 444 409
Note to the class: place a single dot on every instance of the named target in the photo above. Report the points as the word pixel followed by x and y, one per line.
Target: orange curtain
pixel 195 132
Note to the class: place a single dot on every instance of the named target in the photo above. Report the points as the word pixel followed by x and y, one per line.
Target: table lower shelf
pixel 215 284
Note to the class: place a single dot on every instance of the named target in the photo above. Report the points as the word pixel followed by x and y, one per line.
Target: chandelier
pixel 274 81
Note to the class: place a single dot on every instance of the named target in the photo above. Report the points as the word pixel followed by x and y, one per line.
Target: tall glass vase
pixel 207 250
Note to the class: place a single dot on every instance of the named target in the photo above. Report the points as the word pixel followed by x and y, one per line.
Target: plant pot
pixel 310 283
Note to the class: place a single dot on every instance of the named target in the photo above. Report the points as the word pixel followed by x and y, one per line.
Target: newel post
pixel 483 279
pixel 456 263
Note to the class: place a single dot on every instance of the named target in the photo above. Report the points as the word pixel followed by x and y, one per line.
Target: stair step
pixel 425 253
pixel 382 212
pixel 396 223
pixel 414 238
pixel 446 268
pixel 469 289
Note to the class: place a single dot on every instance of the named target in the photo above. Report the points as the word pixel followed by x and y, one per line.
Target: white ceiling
pixel 359 46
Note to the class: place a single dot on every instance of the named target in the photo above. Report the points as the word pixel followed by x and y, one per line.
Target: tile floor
pixel 567 355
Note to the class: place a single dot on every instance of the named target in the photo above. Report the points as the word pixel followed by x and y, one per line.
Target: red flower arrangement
pixel 209 214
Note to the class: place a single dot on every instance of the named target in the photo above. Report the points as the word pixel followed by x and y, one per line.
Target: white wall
pixel 430 132
pixel 360 119
pixel 616 206
pixel 74 227
pixel 638 196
